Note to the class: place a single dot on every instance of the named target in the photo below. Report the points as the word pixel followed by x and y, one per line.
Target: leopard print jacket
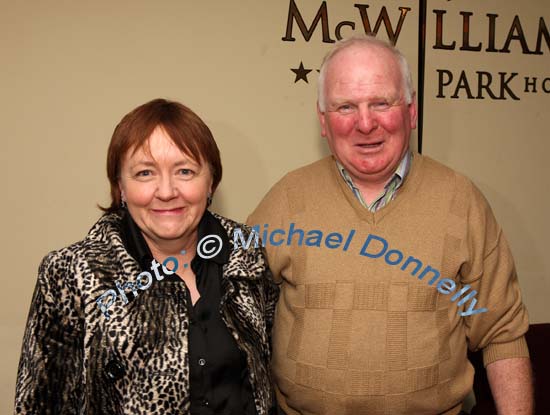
pixel 74 361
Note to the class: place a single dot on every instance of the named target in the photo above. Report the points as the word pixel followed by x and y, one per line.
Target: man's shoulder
pixel 435 172
pixel 293 189
pixel 434 167
pixel 313 171
pixel 307 180
pixel 440 178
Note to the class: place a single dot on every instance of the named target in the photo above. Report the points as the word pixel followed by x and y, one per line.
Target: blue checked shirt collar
pixel 390 189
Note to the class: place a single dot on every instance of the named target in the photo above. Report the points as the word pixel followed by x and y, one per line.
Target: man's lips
pixel 373 145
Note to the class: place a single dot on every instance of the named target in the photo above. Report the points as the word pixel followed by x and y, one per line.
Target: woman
pixel 112 331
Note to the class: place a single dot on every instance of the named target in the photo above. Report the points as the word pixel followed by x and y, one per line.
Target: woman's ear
pixel 121 190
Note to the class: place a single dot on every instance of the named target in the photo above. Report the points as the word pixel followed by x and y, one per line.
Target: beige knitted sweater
pixel 372 321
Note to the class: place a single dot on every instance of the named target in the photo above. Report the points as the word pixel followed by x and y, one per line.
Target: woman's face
pixel 166 191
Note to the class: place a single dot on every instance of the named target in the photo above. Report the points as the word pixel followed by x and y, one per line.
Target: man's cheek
pixel 341 127
pixel 392 122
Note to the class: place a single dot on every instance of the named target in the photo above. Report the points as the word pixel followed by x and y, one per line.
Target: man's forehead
pixel 371 85
pixel 364 55
pixel 364 69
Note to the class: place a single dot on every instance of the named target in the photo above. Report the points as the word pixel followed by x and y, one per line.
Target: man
pixel 381 323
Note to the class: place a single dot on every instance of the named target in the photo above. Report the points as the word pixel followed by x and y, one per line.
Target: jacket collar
pixel 238 263
pixel 243 263
pixel 137 247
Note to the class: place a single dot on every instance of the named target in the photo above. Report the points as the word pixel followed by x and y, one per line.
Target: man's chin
pixel 370 168
pixel 373 173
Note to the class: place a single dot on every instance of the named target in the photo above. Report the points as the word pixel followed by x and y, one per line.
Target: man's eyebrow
pixel 339 101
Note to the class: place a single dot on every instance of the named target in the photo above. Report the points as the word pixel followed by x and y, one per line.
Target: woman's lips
pixel 175 211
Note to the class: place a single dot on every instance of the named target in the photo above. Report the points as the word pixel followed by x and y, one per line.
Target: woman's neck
pixel 164 248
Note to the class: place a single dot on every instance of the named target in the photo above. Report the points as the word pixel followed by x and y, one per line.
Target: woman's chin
pixel 169 235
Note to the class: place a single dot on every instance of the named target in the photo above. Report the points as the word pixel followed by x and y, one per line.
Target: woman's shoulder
pixel 231 225
pixel 249 256
pixel 102 240
pixel 106 228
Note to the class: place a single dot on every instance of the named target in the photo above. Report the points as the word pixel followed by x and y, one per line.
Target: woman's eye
pixel 186 172
pixel 143 173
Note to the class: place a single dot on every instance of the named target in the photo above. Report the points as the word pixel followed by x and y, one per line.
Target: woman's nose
pixel 166 188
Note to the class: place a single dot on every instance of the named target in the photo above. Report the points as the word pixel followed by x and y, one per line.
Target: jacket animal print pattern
pixel 75 361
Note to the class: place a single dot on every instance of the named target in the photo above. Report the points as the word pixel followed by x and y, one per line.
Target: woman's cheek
pixel 141 193
pixel 195 193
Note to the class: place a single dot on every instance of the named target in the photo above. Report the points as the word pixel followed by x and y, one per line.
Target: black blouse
pixel 218 369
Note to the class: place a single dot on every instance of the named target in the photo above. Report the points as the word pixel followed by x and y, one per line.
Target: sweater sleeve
pixel 273 211
pixel 48 379
pixel 490 270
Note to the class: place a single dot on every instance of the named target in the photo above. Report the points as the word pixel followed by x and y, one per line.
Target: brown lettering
pixel 516 27
pixel 466 33
pixel 543 31
pixel 383 17
pixel 439 32
pixel 294 15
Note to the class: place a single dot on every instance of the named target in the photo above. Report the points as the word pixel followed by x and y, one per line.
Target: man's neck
pixel 372 189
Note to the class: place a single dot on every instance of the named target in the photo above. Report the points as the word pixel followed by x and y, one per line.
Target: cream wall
pixel 71 70
pixel 501 144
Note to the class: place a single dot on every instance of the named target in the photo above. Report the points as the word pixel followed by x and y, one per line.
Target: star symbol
pixel 301 73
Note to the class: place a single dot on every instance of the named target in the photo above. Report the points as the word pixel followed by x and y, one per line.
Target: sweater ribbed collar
pixel 411 182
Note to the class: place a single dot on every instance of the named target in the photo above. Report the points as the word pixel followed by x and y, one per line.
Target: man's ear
pixel 413 113
pixel 322 121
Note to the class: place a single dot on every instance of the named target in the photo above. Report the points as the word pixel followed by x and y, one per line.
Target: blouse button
pixel 202 362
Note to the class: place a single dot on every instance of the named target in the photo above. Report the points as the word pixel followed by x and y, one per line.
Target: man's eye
pixel 380 105
pixel 345 108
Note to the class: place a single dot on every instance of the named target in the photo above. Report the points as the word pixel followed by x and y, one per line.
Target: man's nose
pixel 366 120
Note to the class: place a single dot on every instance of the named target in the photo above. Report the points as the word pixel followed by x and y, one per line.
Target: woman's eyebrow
pixel 186 162
pixel 181 162
pixel 142 163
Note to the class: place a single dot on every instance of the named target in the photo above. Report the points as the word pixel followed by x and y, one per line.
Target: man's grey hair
pixel 365 41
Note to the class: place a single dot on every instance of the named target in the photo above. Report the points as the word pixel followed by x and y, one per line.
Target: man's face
pixel 366 120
